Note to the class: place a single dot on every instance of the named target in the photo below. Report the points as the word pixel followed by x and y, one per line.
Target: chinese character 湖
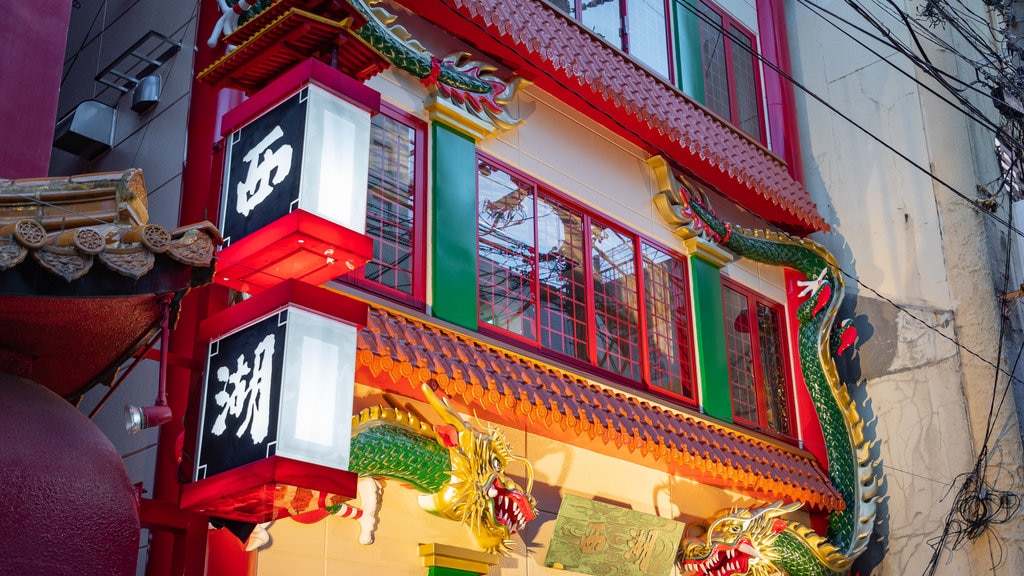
pixel 641 547
pixel 251 394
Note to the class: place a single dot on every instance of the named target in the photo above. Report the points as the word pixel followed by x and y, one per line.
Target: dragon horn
pixel 443 408
pixel 529 472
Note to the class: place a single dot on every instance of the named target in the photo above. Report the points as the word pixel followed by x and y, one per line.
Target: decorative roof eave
pixel 561 57
pixel 64 321
pixel 397 353
pixel 67 223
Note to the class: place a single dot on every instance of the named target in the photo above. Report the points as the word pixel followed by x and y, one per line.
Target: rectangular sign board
pixel 604 540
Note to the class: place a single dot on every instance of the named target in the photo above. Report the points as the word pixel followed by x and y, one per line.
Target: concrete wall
pixel 155 141
pixel 924 266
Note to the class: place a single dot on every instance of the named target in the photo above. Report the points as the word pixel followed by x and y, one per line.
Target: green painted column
pixel 453 221
pixel 689 69
pixel 442 571
pixel 716 397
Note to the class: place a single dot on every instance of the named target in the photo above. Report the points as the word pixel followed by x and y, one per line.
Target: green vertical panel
pixel 710 319
pixel 689 73
pixel 453 250
pixel 442 571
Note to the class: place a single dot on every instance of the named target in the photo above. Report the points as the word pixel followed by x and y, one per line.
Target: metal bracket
pixel 143 57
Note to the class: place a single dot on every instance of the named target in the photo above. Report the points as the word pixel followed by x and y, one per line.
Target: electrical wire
pixel 789 78
pixel 978 506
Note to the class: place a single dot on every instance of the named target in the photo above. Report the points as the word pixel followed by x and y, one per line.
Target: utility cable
pixel 972 201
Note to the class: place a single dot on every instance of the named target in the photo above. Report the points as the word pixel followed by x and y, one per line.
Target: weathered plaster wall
pixel 921 256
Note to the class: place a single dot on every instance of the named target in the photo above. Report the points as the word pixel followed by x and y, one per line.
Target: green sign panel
pixel 605 540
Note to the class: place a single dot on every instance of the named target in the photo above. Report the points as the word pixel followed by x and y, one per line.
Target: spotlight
pixel 136 418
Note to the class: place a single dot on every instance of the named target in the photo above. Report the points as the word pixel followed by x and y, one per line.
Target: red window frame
pixel 574 10
pixel 531 332
pixel 749 325
pixel 417 295
pixel 729 26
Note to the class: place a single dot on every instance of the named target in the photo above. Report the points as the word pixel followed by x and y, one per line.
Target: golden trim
pixel 446 556
pixel 441 110
pixel 698 247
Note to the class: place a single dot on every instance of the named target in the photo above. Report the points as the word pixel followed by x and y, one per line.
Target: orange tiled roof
pixel 568 55
pixel 395 351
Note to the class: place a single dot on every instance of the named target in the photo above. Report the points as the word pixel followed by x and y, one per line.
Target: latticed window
pixel 666 298
pixel 393 196
pixel 757 365
pixel 640 28
pixel 553 276
pixel 731 80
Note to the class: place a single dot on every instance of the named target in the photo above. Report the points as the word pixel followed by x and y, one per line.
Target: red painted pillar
pixel 186 553
pixel 782 121
pixel 810 432
pixel 810 428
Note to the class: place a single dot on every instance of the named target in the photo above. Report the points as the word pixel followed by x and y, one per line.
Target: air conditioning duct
pixel 87 131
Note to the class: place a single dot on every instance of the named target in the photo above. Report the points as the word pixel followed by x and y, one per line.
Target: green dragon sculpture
pixel 458 469
pixel 759 542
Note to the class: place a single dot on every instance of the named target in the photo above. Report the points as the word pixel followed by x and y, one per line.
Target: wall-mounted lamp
pixel 136 418
pixel 87 131
pixel 159 413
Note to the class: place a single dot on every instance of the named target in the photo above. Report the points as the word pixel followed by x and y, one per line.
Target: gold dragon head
pixel 737 542
pixel 480 494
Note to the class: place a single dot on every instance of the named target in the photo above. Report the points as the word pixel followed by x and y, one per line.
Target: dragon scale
pixel 389 443
pixel 794 549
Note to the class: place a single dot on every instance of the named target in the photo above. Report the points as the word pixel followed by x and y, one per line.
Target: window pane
pixel 615 302
pixel 743 65
pixel 772 363
pixel 668 322
pixel 390 203
pixel 716 75
pixel 647 40
pixel 506 252
pixel 741 358
pixel 602 16
pixel 560 271
pixel 566 6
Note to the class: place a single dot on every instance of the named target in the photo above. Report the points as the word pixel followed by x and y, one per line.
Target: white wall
pixel 924 267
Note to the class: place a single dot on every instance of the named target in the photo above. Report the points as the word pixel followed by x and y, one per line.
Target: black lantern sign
pixel 241 397
pixel 293 204
pixel 264 169
pixel 276 404
pixel 310 152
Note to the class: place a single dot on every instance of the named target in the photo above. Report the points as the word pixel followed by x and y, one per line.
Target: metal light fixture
pixel 146 94
pixel 136 418
pixel 159 413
